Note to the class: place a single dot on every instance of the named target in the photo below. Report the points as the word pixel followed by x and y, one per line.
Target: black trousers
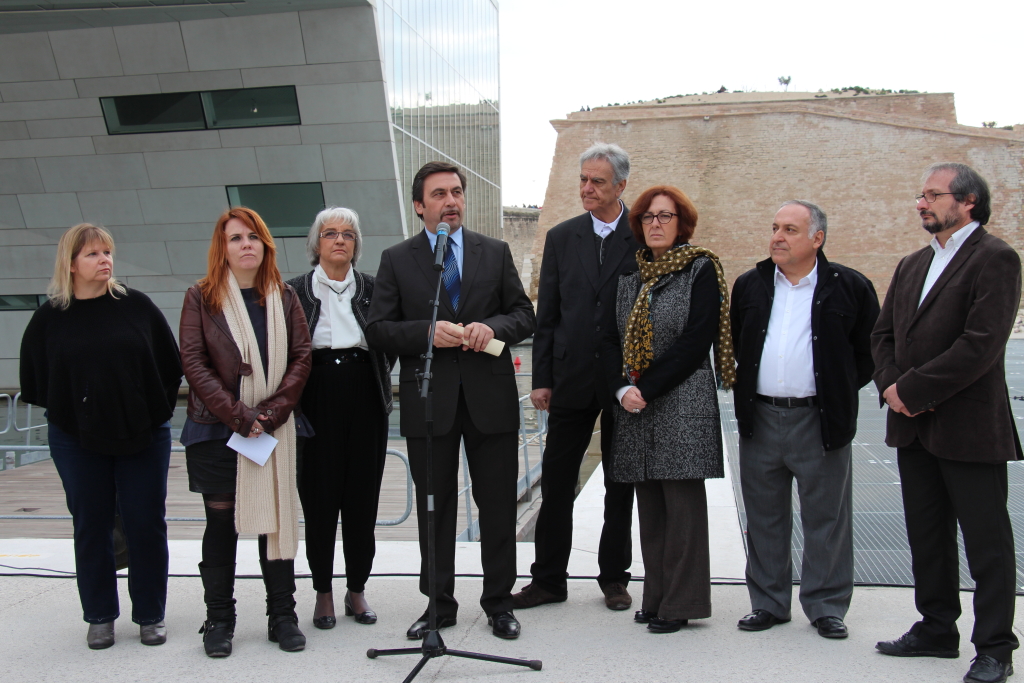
pixel 494 469
pixel 341 470
pixel 938 493
pixel 97 484
pixel 569 432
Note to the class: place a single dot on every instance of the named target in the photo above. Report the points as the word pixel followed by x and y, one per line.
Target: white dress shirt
pixel 454 243
pixel 602 229
pixel 337 327
pixel 787 361
pixel 943 255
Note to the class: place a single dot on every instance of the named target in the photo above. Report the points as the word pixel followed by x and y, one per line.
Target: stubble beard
pixel 934 226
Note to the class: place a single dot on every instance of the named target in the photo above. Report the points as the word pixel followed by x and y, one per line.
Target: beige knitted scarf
pixel 266 498
pixel 637 346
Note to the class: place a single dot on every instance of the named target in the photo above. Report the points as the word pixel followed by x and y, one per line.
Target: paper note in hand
pixel 257 448
pixel 494 347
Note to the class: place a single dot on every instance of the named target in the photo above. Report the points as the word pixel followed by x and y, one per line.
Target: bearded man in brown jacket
pixel 939 347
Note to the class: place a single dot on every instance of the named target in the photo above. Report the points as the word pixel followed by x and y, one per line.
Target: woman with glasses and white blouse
pixel 347 400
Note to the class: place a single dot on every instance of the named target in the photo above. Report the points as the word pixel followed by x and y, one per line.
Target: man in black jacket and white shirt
pixel 579 276
pixel 801 331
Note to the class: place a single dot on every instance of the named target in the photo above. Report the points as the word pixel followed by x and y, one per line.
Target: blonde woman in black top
pixel 102 360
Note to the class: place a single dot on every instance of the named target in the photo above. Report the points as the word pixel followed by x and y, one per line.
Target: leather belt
pixel 786 402
pixel 339 356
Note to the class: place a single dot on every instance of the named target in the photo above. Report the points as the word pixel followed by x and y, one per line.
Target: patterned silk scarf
pixel 637 347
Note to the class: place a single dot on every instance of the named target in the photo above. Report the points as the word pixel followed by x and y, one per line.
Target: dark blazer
pixel 399 321
pixel 572 300
pixel 214 368
pixel 382 362
pixel 946 356
pixel 843 312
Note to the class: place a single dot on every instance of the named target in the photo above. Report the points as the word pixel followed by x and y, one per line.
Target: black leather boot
pixel 218 592
pixel 282 622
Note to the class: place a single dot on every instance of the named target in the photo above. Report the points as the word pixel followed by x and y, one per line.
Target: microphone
pixel 441 246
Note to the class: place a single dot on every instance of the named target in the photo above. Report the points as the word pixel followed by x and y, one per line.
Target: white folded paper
pixel 494 347
pixel 257 448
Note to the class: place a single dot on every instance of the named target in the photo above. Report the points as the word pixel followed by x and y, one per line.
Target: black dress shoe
pixel 419 627
pixel 325 622
pixel 909 645
pixel 531 596
pixel 988 669
pixel 831 627
pixel 643 616
pixel 367 617
pixel 657 625
pixel 504 625
pixel 759 620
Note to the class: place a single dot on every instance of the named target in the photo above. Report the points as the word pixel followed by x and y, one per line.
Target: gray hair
pixel 819 221
pixel 333 214
pixel 613 154
pixel 966 181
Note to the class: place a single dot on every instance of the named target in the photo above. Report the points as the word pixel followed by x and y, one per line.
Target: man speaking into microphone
pixel 474 393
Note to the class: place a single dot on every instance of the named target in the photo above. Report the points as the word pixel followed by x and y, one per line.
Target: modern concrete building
pixel 150 117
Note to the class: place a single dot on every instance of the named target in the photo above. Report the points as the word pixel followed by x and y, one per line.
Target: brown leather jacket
pixel 214 368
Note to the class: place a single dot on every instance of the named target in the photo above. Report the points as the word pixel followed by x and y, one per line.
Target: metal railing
pixel 528 438
pixel 28 447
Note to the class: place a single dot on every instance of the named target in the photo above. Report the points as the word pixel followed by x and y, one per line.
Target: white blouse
pixel 337 327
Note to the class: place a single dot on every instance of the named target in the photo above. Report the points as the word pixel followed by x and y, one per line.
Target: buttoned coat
pixel 573 296
pixel 946 356
pixel 399 323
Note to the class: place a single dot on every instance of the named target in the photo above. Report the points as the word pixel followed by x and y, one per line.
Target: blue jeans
pixel 136 484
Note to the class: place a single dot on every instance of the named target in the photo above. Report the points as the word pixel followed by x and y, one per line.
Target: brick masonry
pixel 739 156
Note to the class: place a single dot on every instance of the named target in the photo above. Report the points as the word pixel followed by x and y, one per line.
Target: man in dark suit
pixel 939 347
pixel 801 329
pixel 474 394
pixel 583 258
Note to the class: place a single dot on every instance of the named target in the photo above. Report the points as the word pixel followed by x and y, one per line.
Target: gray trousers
pixel 674 542
pixel 787 444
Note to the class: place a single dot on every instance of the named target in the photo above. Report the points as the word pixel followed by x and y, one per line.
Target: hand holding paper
pixel 257 448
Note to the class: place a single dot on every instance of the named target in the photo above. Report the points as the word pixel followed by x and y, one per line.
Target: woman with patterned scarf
pixel 668 438
pixel 245 350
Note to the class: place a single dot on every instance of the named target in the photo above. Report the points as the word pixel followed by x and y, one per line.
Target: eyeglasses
pixel 931 196
pixel 333 235
pixel 663 217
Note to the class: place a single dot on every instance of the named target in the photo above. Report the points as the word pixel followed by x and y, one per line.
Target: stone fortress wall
pixel 738 156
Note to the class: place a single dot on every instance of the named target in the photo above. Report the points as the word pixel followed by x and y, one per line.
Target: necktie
pixel 452 280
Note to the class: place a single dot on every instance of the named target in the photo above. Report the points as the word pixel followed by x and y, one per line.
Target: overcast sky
pixel 558 55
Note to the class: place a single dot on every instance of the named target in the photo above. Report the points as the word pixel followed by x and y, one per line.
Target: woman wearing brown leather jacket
pixel 245 349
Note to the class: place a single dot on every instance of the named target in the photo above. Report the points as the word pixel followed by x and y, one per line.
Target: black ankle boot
pixel 219 627
pixel 282 622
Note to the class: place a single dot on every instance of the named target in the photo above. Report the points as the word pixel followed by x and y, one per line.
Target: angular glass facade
pixel 441 67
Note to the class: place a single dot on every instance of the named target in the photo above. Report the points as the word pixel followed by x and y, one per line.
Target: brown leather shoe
pixel 531 596
pixel 616 596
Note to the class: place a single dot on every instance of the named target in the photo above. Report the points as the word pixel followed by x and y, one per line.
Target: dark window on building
pixel 166 112
pixel 21 302
pixel 288 209
pixel 251 107
pixel 153 113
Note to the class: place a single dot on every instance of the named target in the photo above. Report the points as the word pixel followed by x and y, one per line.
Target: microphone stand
pixel 433 646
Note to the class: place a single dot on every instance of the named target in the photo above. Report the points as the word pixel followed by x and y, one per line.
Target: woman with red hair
pixel 668 439
pixel 245 349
